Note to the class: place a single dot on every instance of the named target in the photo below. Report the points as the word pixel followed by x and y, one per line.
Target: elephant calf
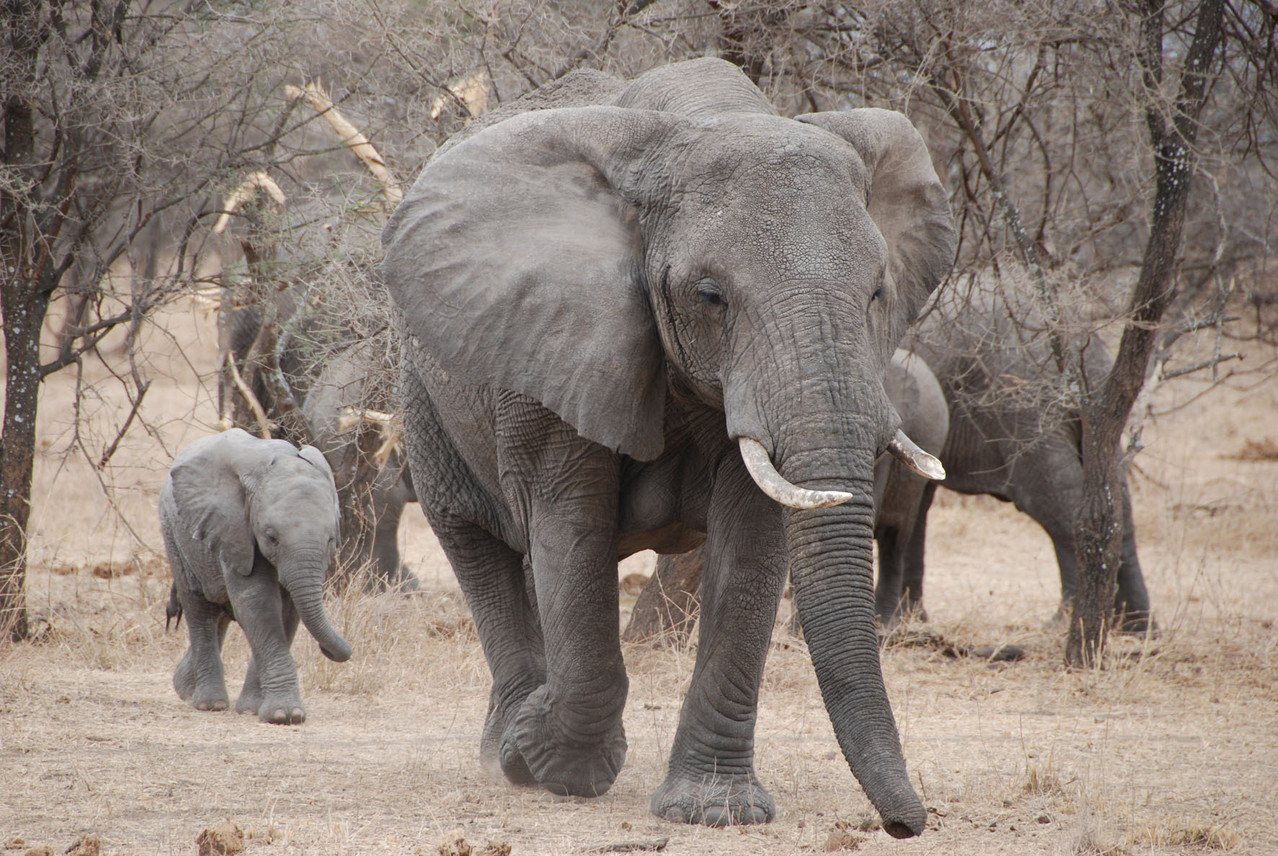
pixel 1015 432
pixel 251 528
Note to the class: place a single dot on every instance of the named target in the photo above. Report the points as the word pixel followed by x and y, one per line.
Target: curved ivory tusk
pixel 907 452
pixel 772 483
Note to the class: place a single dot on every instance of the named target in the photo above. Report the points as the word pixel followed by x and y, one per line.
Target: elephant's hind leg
pixel 568 731
pixel 489 571
pixel 199 678
pixel 1132 610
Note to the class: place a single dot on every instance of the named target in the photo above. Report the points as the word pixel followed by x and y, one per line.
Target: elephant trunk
pixel 830 567
pixel 304 582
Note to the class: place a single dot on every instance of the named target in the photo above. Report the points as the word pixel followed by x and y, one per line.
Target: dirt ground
pixel 1172 749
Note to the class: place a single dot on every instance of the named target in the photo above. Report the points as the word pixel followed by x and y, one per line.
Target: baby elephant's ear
pixel 211 498
pixel 517 262
pixel 315 458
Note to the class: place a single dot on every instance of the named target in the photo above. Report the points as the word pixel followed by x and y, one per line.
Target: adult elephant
pixel 657 309
pixel 1015 429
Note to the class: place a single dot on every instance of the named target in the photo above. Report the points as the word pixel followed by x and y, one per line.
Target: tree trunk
pixel 1099 530
pixel 24 300
pixel 23 306
pixel 667 606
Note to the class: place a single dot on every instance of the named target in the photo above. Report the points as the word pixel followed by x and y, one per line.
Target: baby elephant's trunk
pixel 308 598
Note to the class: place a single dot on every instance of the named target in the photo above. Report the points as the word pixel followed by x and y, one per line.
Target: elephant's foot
pixel 278 709
pixel 511 765
pixel 398 581
pixel 713 799
pixel 535 749
pixel 404 582
pixel 207 694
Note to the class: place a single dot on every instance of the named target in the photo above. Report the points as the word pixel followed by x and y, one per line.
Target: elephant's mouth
pixel 775 485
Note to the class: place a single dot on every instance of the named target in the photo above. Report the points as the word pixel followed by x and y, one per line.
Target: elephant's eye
pixel 711 295
pixel 271 538
pixel 877 295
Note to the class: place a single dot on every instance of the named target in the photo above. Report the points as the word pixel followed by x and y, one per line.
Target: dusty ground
pixel 1173 749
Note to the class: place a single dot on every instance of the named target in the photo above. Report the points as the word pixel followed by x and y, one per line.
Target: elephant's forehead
pixel 298 479
pixel 777 152
pixel 790 226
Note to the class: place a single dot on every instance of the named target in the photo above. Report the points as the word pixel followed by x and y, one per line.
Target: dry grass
pixel 1171 748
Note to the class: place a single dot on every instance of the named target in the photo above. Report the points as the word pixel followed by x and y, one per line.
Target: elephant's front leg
pixel 252 698
pixel 568 731
pixel 711 777
pixel 493 580
pixel 271 689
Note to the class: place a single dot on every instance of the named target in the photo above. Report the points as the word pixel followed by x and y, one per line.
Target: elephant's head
pixel 595 258
pixel 243 496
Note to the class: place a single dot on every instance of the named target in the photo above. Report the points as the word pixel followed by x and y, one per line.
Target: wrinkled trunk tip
pixel 902 829
pixel 337 653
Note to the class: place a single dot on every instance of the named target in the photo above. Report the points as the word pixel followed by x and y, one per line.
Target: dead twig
pixel 263 424
pixel 252 184
pixel 354 139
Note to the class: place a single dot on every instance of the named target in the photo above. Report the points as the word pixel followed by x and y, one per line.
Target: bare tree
pixel 1173 131
pixel 119 118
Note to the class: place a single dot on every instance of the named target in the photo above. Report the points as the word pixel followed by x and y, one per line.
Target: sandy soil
pixel 1172 749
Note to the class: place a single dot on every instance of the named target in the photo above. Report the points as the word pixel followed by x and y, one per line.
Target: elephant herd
pixel 653 314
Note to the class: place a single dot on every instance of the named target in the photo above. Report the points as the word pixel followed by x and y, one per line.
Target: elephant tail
pixel 173 612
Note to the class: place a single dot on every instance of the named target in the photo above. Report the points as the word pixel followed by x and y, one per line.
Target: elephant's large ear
pixel 906 199
pixel 316 459
pixel 211 496
pixel 517 261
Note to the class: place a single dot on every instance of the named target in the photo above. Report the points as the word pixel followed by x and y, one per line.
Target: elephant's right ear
pixel 211 498
pixel 517 261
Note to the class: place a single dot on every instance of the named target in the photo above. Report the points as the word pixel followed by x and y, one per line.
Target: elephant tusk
pixel 772 483
pixel 907 452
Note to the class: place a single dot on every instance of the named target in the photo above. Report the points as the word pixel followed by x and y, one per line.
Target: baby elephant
pixel 251 527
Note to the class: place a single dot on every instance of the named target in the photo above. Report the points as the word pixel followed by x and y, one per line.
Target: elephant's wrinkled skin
pixel 251 528
pixel 600 302
pixel 1014 433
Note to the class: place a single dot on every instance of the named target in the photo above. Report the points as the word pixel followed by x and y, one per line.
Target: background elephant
pixel 251 529
pixel 318 384
pixel 668 602
pixel 655 313
pixel 1014 430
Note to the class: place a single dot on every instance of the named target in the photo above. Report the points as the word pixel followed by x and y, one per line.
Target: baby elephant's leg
pixel 270 685
pixel 198 678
